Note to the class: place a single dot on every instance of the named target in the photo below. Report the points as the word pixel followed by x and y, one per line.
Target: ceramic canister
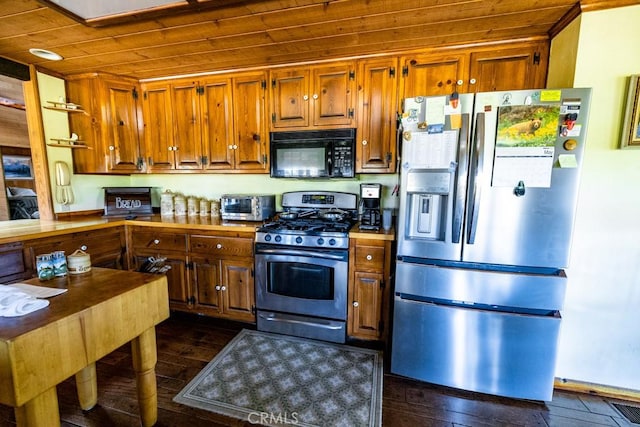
pixel 180 205
pixel 193 205
pixel 44 266
pixel 166 203
pixel 204 207
pixel 215 208
pixel 79 262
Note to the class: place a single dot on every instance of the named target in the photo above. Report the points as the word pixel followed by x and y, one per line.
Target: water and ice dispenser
pixel 429 193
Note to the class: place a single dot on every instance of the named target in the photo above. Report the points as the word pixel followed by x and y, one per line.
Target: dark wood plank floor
pixel 187 343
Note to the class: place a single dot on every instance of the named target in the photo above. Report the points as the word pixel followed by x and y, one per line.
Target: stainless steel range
pixel 302 265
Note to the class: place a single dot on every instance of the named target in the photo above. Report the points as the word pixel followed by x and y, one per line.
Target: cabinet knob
pixel 356 303
pixel 83 247
pixel 364 142
pixel 217 288
pixel 156 241
pixel 223 288
pixel 305 97
pixel 230 147
pixel 111 148
pixel 472 81
pixel 369 257
pixel 235 147
pixel 460 82
pixel 315 96
pixel 219 246
pixel 170 148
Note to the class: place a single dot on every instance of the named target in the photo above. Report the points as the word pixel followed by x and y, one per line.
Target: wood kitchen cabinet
pixel 167 243
pixel 250 140
pixel 106 247
pixel 223 275
pixel 511 66
pixel 214 124
pixel 110 124
pixel 376 135
pixel 314 97
pixel 369 289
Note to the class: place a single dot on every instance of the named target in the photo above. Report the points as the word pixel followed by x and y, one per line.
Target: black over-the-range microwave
pixel 313 154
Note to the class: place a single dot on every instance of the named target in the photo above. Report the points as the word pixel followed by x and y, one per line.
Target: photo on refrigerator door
pixel 528 126
pixel 525 144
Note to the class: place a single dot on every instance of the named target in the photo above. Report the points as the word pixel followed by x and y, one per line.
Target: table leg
pixel 143 349
pixel 87 386
pixel 42 410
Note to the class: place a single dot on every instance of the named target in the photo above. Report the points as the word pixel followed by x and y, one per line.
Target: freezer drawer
pixel 489 287
pixel 498 353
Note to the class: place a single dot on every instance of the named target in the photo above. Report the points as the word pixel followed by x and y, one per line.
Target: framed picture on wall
pixel 631 124
pixel 17 167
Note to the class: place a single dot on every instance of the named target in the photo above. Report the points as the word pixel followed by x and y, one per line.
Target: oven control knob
pixel 298 239
pixel 332 242
pixel 278 238
pixel 321 241
pixel 267 238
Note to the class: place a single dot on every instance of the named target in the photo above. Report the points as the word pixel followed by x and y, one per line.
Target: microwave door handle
pixel 475 176
pixel 461 182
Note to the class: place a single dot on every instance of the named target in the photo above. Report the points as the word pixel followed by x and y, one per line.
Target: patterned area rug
pixel 275 380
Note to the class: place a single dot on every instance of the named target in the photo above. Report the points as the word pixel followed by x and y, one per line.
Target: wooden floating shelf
pixel 68 110
pixel 64 106
pixel 12 103
pixel 68 143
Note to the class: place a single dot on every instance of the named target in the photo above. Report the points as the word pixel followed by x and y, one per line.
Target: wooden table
pixel 101 311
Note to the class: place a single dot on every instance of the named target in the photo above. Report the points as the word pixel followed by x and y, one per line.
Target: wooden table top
pixel 84 291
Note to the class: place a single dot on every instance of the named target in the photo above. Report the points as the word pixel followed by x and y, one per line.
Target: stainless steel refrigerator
pixel 488 195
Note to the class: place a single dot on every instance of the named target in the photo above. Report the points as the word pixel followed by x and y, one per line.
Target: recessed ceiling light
pixel 45 54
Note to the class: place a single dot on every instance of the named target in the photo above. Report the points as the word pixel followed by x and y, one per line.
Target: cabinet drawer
pixel 156 240
pixel 369 258
pixel 231 246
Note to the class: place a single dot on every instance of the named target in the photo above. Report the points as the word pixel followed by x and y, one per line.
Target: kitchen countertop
pixel 25 229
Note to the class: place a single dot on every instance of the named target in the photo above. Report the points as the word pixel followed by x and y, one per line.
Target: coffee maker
pixel 370 204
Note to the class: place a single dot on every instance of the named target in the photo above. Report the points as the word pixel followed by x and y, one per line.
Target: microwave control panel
pixel 343 159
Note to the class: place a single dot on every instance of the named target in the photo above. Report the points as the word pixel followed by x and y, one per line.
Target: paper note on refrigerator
pixel 432 150
pixel 531 165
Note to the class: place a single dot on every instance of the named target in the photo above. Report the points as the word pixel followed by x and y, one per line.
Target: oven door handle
pixel 274 318
pixel 297 253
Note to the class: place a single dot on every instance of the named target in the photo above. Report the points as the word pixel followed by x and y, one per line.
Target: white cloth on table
pixel 17 303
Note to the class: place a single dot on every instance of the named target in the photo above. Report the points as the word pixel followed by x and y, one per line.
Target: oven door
pixel 308 282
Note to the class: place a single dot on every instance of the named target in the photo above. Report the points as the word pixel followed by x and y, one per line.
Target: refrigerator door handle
pixel 477 162
pixel 461 182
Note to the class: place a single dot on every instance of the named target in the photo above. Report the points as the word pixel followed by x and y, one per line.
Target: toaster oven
pixel 247 207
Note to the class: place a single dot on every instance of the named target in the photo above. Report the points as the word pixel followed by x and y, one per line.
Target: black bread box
pixel 127 201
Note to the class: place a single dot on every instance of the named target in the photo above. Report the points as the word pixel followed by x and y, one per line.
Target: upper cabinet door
pixel 250 129
pixel 509 69
pixel 429 74
pixel 217 124
pixel 290 98
pixel 333 95
pixel 110 125
pixel 187 145
pixel 123 126
pixel 376 136
pixel 158 127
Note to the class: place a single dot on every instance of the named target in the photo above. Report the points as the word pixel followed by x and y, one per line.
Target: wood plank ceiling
pixel 256 33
